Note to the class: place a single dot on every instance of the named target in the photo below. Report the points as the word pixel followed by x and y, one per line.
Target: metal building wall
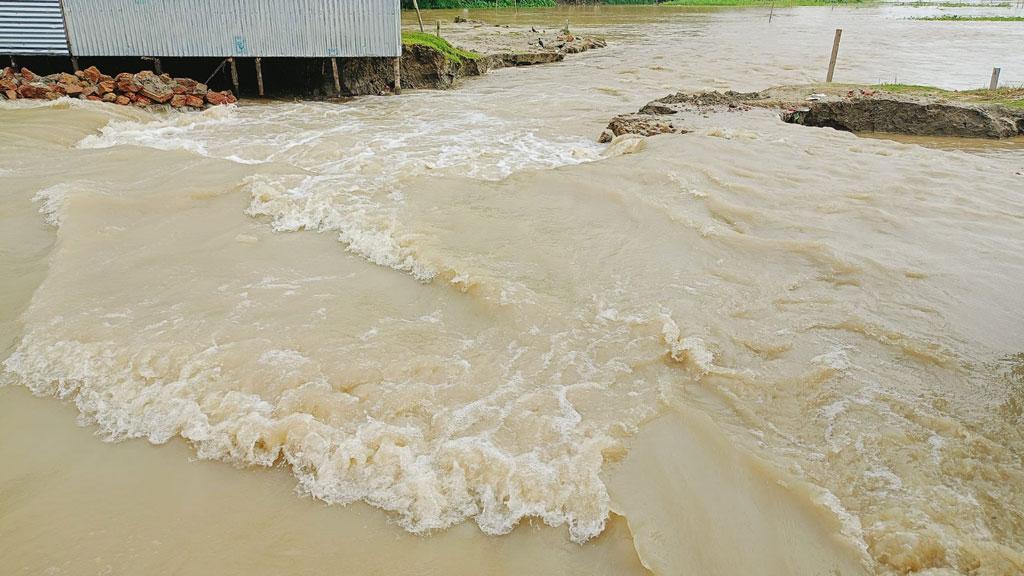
pixel 32 27
pixel 266 28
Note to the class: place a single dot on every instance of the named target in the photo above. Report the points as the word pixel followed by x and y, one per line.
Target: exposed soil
pixel 918 112
pixel 498 47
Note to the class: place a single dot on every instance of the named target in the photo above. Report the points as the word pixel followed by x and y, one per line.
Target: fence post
pixel 398 75
pixel 835 54
pixel 337 77
pixel 416 5
pixel 994 82
pixel 259 75
pixel 234 74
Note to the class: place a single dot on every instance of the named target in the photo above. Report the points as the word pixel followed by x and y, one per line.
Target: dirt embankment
pixel 918 111
pixel 481 48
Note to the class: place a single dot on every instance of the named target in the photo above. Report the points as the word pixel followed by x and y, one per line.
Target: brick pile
pixel 142 89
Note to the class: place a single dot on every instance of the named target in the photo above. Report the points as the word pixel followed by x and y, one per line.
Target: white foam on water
pixel 431 478
pixel 52 201
pixel 352 168
pixel 690 350
pixel 173 132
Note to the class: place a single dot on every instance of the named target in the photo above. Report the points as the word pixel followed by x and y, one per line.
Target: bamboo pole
pixel 398 75
pixel 234 74
pixel 337 77
pixel 835 54
pixel 259 75
pixel 416 5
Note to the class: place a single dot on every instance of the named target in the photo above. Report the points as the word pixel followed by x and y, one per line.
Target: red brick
pixel 92 74
pixel 156 95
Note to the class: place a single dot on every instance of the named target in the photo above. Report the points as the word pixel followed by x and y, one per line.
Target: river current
pixel 756 348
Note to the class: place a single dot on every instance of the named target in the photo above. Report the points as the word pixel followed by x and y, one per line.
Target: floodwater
pixel 757 348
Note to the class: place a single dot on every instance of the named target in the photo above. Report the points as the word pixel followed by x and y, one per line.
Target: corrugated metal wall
pixel 197 28
pixel 32 27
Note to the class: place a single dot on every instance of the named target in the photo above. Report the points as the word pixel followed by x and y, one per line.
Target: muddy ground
pixel 497 46
pixel 917 111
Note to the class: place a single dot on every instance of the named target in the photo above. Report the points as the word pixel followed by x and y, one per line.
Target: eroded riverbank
pixel 913 111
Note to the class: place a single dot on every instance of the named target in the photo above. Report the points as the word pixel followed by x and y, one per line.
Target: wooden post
pixel 835 53
pixel 398 75
pixel 157 67
pixel 259 75
pixel 438 28
pixel 74 63
pixel 771 13
pixel 234 74
pixel 337 77
pixel 416 5
pixel 13 63
pixel 994 82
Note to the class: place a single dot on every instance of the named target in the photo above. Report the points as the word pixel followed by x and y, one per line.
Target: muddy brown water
pixel 756 348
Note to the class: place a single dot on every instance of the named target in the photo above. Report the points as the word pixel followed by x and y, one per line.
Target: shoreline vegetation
pixel 1007 96
pixel 450 52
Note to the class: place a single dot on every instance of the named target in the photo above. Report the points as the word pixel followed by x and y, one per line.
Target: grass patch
pixel 410 38
pixel 1011 97
pixel 909 89
pixel 759 2
pixel 958 18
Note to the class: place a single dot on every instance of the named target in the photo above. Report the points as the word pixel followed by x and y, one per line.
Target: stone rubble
pixel 142 89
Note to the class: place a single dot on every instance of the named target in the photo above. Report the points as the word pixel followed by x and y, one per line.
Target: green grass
pixel 450 52
pixel 759 2
pixel 1011 97
pixel 909 88
pixel 958 18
